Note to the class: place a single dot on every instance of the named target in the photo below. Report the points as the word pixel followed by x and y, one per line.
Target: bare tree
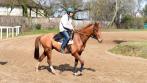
pixel 101 10
pixel 138 7
pixel 51 6
pixel 122 7
pixel 71 3
pixel 110 10
pixel 115 13
pixel 46 6
pixel 145 10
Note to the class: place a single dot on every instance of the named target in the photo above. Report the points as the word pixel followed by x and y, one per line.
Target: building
pixel 18 8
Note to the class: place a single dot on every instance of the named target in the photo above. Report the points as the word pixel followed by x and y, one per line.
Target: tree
pixel 111 10
pixel 101 9
pixel 123 8
pixel 138 6
pixel 24 7
pixel 23 3
pixel 145 10
pixel 51 6
pixel 46 6
pixel 115 13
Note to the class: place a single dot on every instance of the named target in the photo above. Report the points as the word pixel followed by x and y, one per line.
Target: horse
pixel 80 38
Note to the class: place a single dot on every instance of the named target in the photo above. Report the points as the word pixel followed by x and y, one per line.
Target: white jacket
pixel 65 21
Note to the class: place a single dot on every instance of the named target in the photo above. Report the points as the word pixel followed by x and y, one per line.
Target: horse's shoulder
pixel 76 36
pixel 49 35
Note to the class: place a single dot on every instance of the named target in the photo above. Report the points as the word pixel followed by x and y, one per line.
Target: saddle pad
pixel 69 43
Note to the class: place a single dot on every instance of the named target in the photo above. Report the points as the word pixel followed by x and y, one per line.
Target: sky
pixel 144 3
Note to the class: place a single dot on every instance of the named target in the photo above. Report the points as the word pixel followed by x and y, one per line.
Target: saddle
pixel 59 38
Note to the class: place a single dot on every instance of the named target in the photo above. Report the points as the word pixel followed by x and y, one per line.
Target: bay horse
pixel 79 42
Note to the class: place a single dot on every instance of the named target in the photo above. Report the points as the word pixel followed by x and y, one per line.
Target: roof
pixel 28 3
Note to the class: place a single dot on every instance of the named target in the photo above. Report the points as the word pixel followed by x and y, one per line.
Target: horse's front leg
pixel 82 64
pixel 75 66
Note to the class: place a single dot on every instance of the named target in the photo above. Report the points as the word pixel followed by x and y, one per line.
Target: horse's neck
pixel 85 34
pixel 84 38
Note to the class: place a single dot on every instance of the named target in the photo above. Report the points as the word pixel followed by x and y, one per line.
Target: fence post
pixel 1 32
pixel 17 30
pixel 12 32
pixel 7 32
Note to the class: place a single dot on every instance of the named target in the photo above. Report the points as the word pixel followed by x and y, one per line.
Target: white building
pixel 15 8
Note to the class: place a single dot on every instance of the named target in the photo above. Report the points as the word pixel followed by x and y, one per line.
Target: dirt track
pixel 17 62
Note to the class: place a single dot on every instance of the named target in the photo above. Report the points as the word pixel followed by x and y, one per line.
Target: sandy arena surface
pixel 17 64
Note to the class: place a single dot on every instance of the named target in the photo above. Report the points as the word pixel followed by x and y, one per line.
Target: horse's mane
pixel 88 25
pixel 85 27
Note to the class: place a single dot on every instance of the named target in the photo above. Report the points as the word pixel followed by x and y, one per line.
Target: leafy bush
pixel 127 19
pixel 145 19
pixel 38 26
pixel 132 22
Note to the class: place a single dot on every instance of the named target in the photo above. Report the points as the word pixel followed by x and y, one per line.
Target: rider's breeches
pixel 66 37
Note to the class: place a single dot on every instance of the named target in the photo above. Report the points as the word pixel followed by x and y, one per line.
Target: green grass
pixel 119 30
pixel 41 31
pixel 138 49
pixel 55 30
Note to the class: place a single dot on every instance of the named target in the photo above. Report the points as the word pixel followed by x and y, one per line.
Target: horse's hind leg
pixel 50 62
pixel 39 61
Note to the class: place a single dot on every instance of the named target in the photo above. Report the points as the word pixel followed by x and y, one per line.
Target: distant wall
pixel 14 21
pixel 30 23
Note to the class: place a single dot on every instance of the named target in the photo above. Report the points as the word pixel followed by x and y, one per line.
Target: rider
pixel 66 27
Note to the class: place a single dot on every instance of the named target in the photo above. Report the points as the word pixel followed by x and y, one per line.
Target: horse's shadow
pixel 119 41
pixel 64 67
pixel 3 63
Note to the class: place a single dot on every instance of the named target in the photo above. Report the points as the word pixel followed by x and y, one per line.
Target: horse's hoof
pixel 77 74
pixel 54 72
pixel 36 69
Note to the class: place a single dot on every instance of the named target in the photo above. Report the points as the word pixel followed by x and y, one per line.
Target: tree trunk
pixel 115 14
pixel 25 12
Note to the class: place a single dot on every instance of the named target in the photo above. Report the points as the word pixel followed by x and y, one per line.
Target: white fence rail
pixel 13 31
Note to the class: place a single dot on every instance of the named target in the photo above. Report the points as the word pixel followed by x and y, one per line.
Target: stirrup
pixel 70 42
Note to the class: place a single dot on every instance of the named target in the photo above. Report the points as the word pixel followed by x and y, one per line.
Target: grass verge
pixel 41 31
pixel 138 49
pixel 120 30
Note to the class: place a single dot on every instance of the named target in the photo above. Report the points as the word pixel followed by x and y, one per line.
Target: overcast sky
pixel 47 1
pixel 144 3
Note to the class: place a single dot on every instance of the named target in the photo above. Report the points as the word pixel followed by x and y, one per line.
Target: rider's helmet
pixel 70 10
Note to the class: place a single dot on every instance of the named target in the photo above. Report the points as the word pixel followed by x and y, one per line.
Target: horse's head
pixel 96 32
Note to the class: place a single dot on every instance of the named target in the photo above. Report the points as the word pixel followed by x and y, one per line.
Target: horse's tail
pixel 36 51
